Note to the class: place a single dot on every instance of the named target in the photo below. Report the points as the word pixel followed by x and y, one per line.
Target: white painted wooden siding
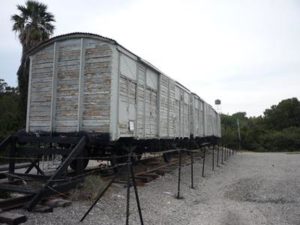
pixel 164 106
pixel 93 85
pixel 40 92
pixel 70 87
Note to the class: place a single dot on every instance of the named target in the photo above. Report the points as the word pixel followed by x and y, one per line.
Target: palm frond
pixel 34 23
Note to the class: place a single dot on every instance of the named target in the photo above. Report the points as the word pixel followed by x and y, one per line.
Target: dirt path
pixel 251 188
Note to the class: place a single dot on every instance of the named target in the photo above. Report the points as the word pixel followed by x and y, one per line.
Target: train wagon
pixel 91 98
pixel 82 83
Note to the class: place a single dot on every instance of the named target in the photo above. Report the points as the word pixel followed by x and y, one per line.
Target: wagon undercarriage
pixel 74 151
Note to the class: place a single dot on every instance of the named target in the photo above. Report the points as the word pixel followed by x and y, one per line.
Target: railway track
pixel 143 171
pixel 151 168
pixel 146 170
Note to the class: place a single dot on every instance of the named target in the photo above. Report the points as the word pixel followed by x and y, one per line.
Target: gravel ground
pixel 251 188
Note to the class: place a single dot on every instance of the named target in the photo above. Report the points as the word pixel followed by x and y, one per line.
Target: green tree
pixel 34 25
pixel 9 111
pixel 277 130
pixel 3 86
pixel 285 114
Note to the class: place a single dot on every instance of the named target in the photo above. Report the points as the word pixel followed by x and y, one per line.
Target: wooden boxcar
pixel 82 82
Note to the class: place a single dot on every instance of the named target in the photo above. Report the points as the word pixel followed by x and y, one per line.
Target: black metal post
pixel 179 175
pixel 192 170
pixel 218 153
pixel 136 194
pixel 213 158
pixel 203 166
pixel 12 160
pixel 222 155
pixel 128 188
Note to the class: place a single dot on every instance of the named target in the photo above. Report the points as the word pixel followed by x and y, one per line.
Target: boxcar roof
pixel 98 37
pixel 87 35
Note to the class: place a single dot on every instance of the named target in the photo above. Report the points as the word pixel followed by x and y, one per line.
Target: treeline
pixel 277 130
pixel 10 116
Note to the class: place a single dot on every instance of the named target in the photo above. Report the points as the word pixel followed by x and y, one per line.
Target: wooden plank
pixel 12 218
pixel 49 139
pixel 81 85
pixel 58 202
pixel 17 188
pixel 32 152
pixel 29 96
pixel 54 87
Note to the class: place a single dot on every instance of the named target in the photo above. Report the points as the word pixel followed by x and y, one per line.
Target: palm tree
pixel 34 25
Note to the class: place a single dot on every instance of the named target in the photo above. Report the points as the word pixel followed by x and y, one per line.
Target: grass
pixel 88 190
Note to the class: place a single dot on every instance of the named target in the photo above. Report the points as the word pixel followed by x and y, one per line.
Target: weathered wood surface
pixel 75 83
pixel 12 218
pixel 93 60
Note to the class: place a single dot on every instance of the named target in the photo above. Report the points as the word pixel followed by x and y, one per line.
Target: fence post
pixel 213 158
pixel 192 170
pixel 218 153
pixel 203 166
pixel 179 175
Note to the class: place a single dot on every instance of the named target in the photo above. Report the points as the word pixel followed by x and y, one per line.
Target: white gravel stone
pixel 250 189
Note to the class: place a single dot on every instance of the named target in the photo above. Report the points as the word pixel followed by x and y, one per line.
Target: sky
pixel 244 52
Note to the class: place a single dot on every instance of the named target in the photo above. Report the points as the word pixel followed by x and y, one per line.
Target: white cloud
pixel 245 52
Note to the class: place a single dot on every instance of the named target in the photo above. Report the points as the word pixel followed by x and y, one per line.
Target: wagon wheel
pixel 81 162
pixel 167 157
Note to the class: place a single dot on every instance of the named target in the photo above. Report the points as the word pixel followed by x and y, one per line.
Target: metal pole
pixel 239 133
pixel 192 170
pixel 12 154
pixel 213 158
pixel 98 198
pixel 222 155
pixel 128 189
pixel 179 175
pixel 136 194
pixel 203 166
pixel 218 153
